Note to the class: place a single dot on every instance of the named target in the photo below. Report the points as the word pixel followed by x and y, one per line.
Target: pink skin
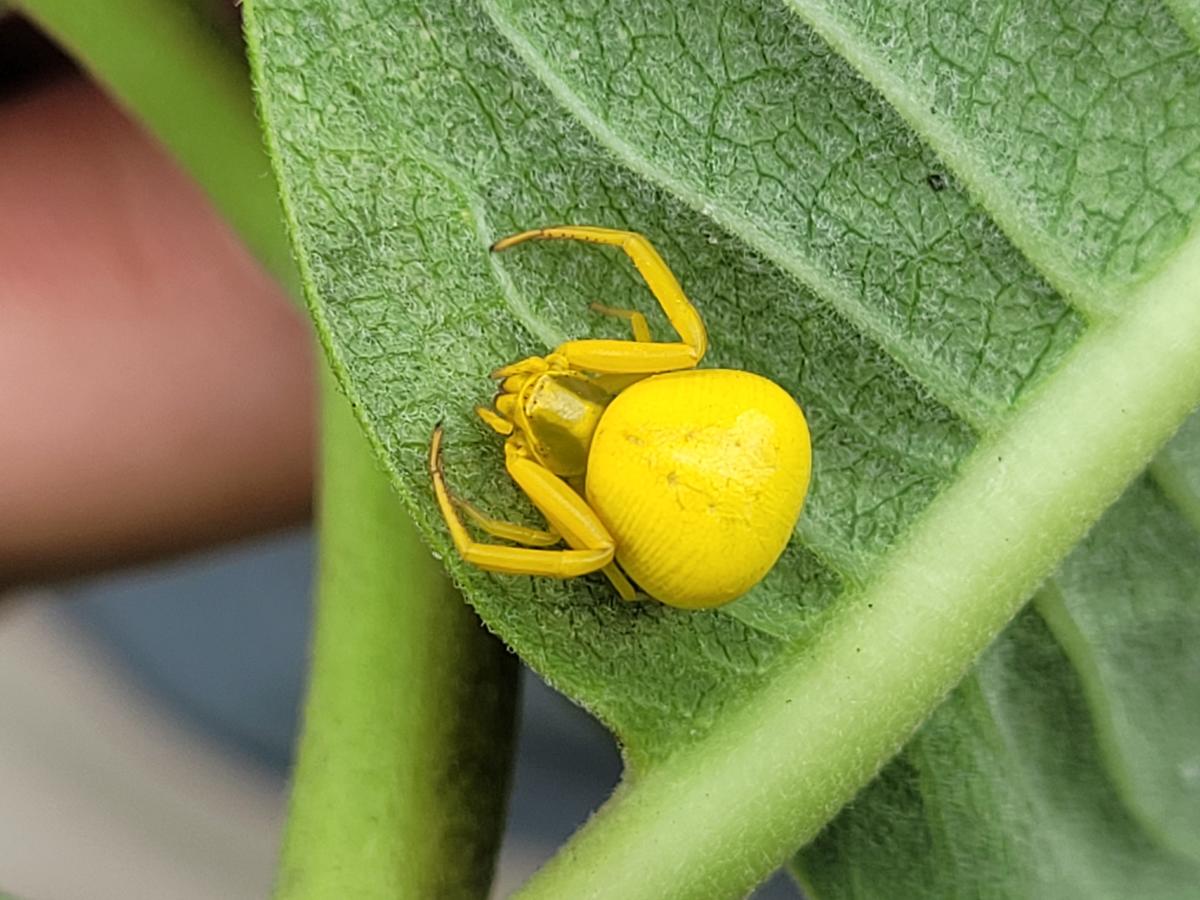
pixel 155 385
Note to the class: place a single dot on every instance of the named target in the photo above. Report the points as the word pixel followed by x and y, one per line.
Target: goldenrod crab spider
pixel 689 481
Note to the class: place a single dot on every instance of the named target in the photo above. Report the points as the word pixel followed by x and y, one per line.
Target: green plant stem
pixel 717 817
pixel 402 773
pixel 403 764
pixel 172 70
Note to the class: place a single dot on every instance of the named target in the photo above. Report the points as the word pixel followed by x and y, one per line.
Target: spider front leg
pixel 592 546
pixel 639 356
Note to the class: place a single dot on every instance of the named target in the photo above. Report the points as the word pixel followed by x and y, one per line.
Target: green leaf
pixel 829 249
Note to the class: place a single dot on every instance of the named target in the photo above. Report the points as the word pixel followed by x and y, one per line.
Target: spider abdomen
pixel 700 477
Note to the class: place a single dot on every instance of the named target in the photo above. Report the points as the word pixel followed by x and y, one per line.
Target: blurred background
pixel 155 400
pixel 146 726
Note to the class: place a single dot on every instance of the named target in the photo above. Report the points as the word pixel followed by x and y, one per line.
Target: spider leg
pixel 607 356
pixel 623 585
pixel 565 510
pixel 494 420
pixel 517 560
pixel 508 531
pixel 637 321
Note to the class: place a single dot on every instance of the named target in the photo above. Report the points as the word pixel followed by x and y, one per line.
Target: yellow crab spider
pixel 687 481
